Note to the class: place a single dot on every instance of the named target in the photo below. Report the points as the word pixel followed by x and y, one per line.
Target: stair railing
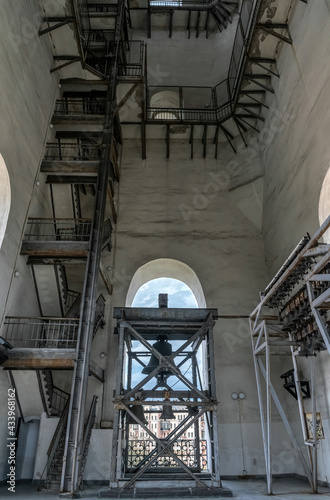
pixel 86 438
pixel 54 442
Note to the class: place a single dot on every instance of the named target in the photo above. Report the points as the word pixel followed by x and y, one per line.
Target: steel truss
pixel 194 329
pixel 303 281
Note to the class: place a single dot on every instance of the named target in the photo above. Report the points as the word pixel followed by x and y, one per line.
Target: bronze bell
pixel 165 349
pixel 139 413
pixel 167 413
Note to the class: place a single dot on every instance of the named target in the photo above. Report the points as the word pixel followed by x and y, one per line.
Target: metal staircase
pixel 51 476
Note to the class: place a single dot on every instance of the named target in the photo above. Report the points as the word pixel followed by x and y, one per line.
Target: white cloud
pixel 179 294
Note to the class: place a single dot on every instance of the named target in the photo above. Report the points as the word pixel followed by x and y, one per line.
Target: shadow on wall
pixel 166 268
pixel 5 198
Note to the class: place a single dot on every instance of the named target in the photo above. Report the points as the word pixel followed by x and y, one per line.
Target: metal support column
pixel 70 478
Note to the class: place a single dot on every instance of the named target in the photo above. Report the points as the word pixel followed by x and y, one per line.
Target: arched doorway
pixel 166 268
pixel 5 198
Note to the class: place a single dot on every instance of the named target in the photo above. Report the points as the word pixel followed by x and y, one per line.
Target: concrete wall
pixel 188 210
pixel 98 460
pixel 296 163
pixel 27 92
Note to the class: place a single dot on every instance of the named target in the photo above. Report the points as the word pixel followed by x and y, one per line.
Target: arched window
pixel 324 204
pixel 179 294
pixel 5 198
pixel 166 268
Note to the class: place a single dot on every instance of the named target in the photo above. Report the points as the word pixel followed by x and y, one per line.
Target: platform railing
pixel 223 97
pixel 39 332
pixel 184 449
pixel 72 152
pixel 53 229
pixel 79 107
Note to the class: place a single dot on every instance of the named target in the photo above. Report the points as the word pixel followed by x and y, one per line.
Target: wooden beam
pixel 40 359
pixel 71 179
pixel 67 167
pixel 55 248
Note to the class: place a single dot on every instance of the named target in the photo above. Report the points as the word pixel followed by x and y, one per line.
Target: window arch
pixel 5 198
pixel 179 294
pixel 166 268
pixel 324 204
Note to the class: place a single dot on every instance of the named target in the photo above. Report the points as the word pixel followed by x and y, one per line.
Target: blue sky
pixel 179 294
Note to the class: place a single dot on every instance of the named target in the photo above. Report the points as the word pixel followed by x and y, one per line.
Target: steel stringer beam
pixel 67 63
pixel 270 29
pixel 252 113
pixel 287 425
pixel 229 137
pixel 62 22
pixel 240 129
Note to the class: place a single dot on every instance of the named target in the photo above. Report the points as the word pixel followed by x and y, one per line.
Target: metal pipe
pixel 314 425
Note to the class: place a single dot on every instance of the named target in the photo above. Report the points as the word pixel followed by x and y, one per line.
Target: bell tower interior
pixel 180 139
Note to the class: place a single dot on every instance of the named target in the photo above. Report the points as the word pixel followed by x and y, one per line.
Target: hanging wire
pixel 187 370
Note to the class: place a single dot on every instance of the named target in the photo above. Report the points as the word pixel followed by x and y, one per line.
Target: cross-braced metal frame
pixel 192 331
pixel 300 294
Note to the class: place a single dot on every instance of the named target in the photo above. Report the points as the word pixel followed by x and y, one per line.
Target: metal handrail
pixel 249 9
pixel 55 440
pixel 72 152
pixel 59 399
pixel 99 313
pixel 86 438
pixel 57 229
pixel 80 106
pixel 34 332
pixel 203 5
